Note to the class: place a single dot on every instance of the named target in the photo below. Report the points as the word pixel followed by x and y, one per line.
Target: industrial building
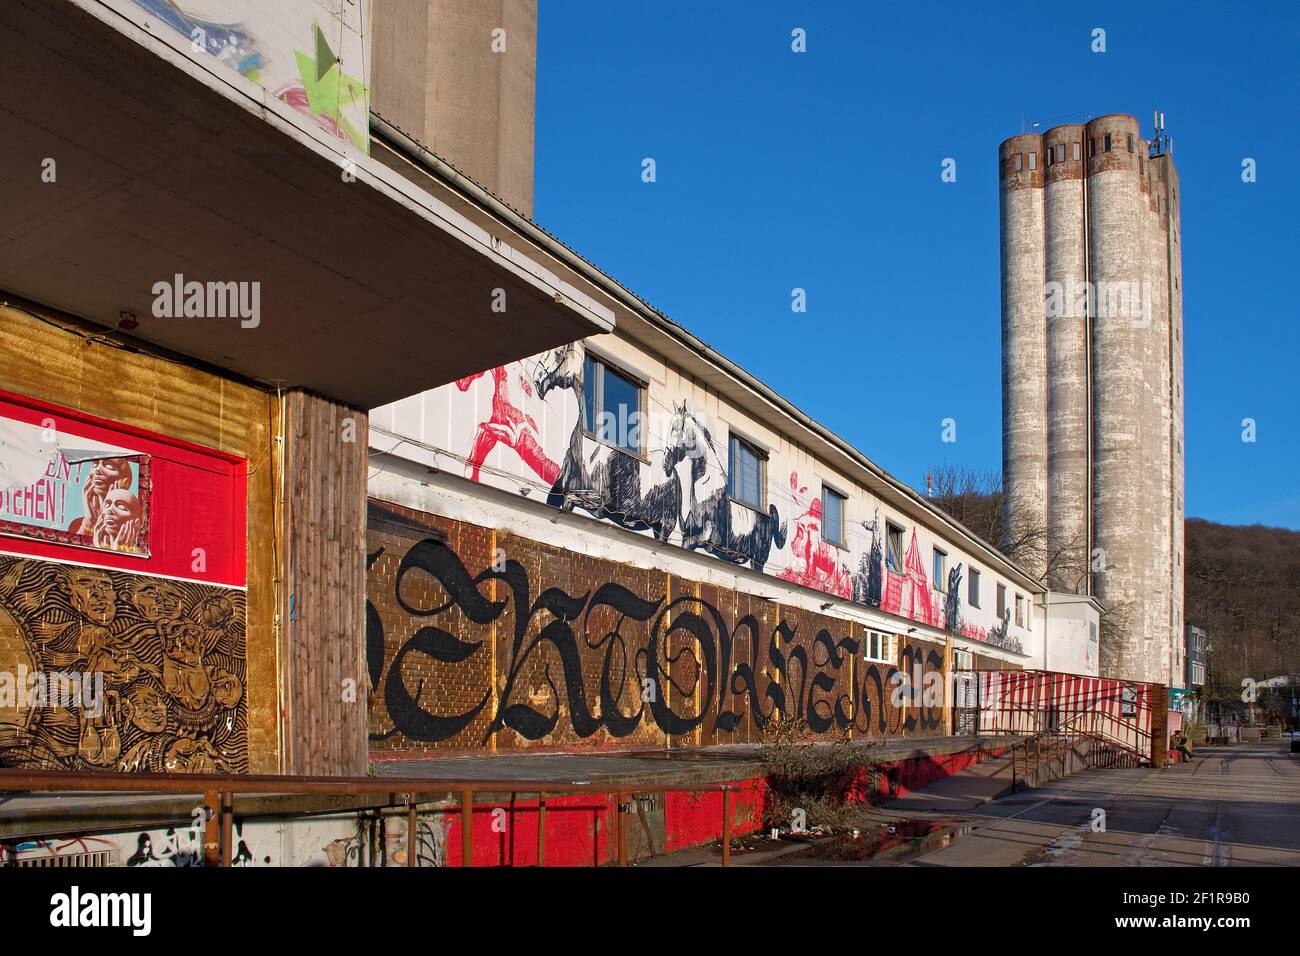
pixel 1092 378
pixel 322 458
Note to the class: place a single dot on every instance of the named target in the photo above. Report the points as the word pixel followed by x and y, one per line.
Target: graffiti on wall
pixel 607 660
pixel 305 52
pixel 162 664
pixel 526 421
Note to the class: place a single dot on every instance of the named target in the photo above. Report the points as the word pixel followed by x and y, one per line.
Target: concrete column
pixel 1067 353
pixel 1024 338
pixel 1123 420
pixel 1175 295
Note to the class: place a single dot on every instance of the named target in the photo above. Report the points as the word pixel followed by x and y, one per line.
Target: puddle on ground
pixel 895 842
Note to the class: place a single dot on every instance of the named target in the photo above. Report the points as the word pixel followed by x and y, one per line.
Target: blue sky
pixel 821 170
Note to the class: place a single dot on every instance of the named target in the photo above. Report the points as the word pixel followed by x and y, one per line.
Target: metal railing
pixel 1028 703
pixel 219 790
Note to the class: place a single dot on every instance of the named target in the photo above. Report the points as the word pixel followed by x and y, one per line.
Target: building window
pixel 1092 146
pixel 1076 151
pixel 1033 160
pixel 973 588
pixel 963 660
pixel 833 517
pixel 1130 142
pixel 1106 146
pixel 746 469
pixel 1002 601
pixel 611 406
pixel 876 647
pixel 1020 610
pixel 940 570
pixel 1060 153
pixel 1020 162
pixel 893 547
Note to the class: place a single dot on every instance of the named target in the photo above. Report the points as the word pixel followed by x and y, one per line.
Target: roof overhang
pixel 369 289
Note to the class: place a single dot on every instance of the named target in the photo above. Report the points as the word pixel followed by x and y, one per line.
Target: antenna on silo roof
pixel 1161 142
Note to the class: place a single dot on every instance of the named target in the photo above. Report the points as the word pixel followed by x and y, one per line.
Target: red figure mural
pixel 813 562
pixel 508 425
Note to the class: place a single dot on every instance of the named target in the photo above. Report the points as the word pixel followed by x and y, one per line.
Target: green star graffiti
pixel 328 88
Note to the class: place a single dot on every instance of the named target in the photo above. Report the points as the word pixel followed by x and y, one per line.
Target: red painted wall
pixel 582 830
pixel 198 501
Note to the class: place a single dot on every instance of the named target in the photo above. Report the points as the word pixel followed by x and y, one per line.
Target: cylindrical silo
pixel 1171 227
pixel 1158 415
pixel 1068 419
pixel 1122 405
pixel 1024 339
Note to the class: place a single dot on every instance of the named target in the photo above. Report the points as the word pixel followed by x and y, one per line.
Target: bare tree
pixel 977 499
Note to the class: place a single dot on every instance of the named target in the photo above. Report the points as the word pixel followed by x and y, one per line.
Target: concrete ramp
pixel 985 781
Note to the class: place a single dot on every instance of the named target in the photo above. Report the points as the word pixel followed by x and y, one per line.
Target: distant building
pixel 1198 646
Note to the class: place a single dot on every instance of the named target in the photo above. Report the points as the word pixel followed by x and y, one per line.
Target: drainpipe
pixel 1047 627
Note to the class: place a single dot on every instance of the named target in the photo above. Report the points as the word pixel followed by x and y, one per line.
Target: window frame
pixel 840 539
pixel 878 640
pixel 735 438
pixel 1002 601
pixel 642 391
pixel 940 582
pixel 890 530
pixel 1019 616
pixel 973 587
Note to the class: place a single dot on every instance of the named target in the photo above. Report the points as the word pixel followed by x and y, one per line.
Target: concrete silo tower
pixel 1092 376
pixel 1024 336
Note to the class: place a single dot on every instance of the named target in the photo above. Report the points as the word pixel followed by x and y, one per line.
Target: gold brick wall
pixel 39 358
pixel 480 639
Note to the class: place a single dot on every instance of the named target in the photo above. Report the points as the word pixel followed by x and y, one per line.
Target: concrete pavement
pixel 1228 807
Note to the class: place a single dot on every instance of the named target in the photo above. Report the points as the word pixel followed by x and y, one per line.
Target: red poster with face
pixel 85 490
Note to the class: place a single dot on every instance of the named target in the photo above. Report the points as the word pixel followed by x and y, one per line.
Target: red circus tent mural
pixel 908 594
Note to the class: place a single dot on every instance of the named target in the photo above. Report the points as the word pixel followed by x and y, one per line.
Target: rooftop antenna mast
pixel 1162 142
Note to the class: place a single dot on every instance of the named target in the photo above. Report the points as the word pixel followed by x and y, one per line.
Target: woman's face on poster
pixel 120 506
pixel 107 472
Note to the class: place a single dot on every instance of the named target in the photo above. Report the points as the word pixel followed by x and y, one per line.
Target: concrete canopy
pixel 370 289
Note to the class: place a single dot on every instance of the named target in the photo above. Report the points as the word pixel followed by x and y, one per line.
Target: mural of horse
pixel 607 483
pixel 713 522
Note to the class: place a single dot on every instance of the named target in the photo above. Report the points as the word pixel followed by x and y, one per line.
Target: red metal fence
pixel 1115 712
